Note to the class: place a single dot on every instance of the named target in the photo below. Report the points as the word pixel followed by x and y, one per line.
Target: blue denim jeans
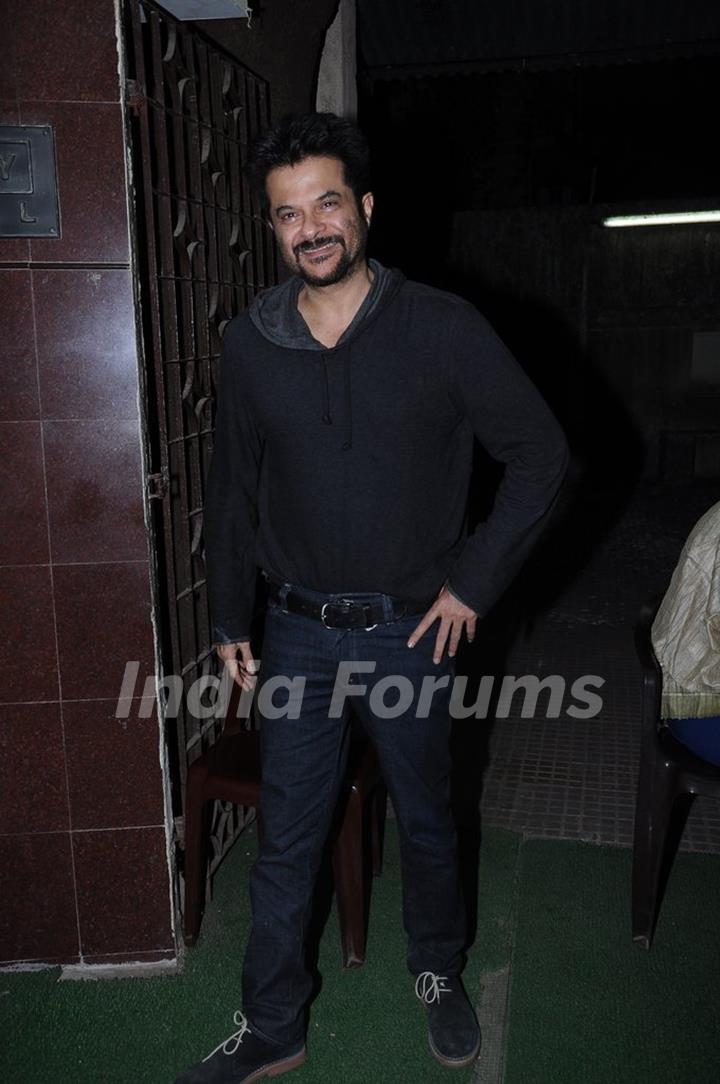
pixel 303 766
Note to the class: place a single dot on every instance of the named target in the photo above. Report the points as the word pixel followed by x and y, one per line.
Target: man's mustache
pixel 310 246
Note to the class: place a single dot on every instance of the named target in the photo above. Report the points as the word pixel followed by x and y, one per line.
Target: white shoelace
pixel 230 1045
pixel 428 987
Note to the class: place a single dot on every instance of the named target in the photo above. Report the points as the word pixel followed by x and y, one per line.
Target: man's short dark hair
pixel 311 135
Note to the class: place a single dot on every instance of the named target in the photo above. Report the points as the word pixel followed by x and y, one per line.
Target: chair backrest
pixel 651 673
pixel 694 775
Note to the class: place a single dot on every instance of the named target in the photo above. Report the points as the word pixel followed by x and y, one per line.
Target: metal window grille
pixel 204 251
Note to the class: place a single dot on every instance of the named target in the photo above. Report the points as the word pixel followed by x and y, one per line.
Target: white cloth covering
pixel 686 630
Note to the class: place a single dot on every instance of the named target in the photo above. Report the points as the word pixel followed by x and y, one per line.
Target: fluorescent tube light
pixel 670 218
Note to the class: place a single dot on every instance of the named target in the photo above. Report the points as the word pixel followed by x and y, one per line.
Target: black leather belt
pixel 343 612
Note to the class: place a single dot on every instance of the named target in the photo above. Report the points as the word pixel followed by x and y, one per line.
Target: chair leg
pixel 656 798
pixel 378 811
pixel 196 832
pixel 348 869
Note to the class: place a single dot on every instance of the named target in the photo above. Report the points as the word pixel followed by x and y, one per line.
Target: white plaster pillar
pixel 337 76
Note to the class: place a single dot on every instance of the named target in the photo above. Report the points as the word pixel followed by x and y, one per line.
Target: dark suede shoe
pixel 244 1058
pixel 453 1030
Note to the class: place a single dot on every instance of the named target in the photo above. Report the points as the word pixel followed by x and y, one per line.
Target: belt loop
pixel 400 610
pixel 275 585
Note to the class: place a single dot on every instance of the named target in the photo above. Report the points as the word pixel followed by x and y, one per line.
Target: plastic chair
pixel 668 770
pixel 230 771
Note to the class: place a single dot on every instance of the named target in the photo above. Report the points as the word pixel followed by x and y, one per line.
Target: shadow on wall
pixel 607 449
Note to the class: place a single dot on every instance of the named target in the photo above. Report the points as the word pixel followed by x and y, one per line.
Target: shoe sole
pixel 277 1068
pixel 454 1063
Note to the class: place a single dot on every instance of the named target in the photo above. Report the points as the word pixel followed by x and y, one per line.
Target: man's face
pixel 319 228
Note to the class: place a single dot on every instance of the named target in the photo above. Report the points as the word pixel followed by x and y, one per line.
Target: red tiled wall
pixel 82 834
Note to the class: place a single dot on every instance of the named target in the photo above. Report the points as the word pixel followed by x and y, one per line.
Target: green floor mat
pixel 587 1006
pixel 365 1024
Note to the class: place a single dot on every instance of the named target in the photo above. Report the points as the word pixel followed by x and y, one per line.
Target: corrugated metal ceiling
pixel 399 37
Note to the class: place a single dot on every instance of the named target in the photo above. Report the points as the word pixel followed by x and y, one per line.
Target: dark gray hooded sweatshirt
pixel 347 469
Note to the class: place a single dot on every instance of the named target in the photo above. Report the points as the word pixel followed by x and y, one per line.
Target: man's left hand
pixel 454 617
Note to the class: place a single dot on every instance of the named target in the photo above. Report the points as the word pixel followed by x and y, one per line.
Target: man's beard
pixel 345 265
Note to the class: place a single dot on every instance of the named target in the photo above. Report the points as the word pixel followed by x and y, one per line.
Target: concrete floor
pixel 575 778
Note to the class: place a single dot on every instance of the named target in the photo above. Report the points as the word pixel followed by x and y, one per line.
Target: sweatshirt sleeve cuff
pixel 460 596
pixel 221 636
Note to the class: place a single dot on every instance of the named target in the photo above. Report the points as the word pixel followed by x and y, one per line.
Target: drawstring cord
pixel 347 443
pixel 347 390
pixel 327 416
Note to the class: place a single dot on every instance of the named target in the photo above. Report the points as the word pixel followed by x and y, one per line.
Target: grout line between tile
pixel 54 607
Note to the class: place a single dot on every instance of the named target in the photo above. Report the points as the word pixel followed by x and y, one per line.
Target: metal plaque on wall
pixel 28 181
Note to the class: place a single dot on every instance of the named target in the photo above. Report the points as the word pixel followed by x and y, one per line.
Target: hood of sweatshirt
pixel 275 314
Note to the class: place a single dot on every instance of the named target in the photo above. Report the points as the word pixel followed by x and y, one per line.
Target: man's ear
pixel 368 202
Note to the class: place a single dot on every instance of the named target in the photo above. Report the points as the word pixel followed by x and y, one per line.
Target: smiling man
pixel 339 251
pixel 349 402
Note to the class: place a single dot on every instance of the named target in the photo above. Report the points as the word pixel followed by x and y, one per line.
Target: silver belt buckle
pixel 340 602
pixel 322 615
